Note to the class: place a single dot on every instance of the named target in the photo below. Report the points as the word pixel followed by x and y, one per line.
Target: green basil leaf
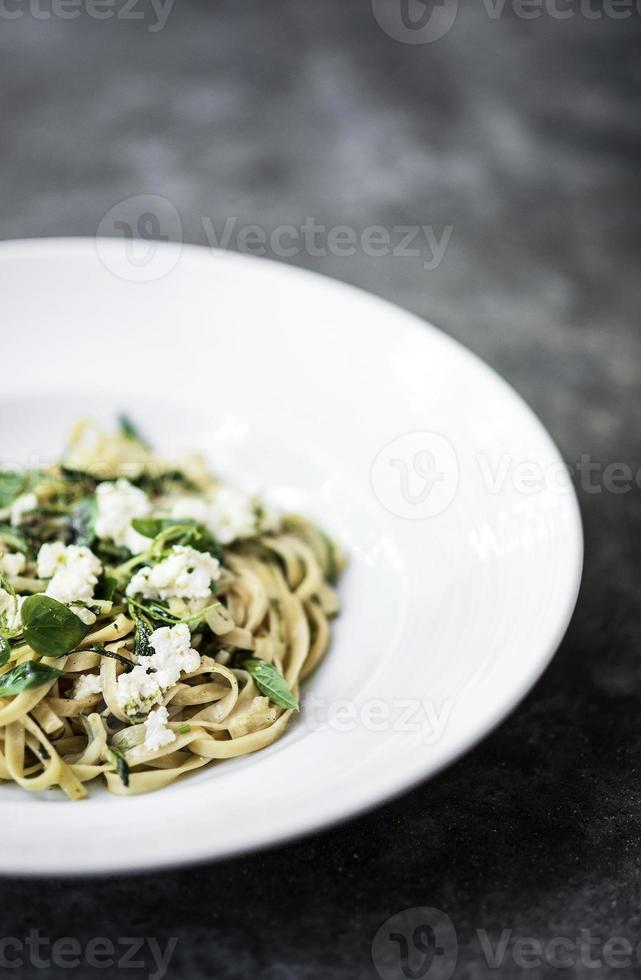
pixel 5 650
pixel 149 527
pixel 11 485
pixel 49 627
pixel 120 764
pixel 29 674
pixel 270 682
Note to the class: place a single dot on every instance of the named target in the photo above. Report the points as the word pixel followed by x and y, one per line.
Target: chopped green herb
pixel 120 764
pixel 82 523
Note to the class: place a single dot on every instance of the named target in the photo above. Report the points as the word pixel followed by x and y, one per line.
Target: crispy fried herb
pixel 81 529
pixel 144 627
pixel 103 652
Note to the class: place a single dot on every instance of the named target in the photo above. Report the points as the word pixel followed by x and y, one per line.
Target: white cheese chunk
pixel 73 571
pixel 157 734
pixel 86 685
pixel 118 504
pixel 153 676
pixel 228 513
pixel 184 574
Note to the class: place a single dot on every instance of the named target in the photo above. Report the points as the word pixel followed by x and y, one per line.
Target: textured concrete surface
pixel 522 134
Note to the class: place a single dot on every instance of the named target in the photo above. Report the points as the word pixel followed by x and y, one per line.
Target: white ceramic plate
pixel 451 500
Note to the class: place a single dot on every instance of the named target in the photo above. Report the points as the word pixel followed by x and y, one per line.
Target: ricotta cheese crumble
pixel 72 571
pixel 228 513
pixel 157 734
pixel 118 504
pixel 184 574
pixel 85 685
pixel 147 683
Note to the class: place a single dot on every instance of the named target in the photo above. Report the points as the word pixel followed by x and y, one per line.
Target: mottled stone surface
pixel 523 135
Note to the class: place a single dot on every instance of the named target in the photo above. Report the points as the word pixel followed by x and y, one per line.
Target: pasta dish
pixel 152 619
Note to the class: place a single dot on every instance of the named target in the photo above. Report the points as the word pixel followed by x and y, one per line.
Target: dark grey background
pixel 523 135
